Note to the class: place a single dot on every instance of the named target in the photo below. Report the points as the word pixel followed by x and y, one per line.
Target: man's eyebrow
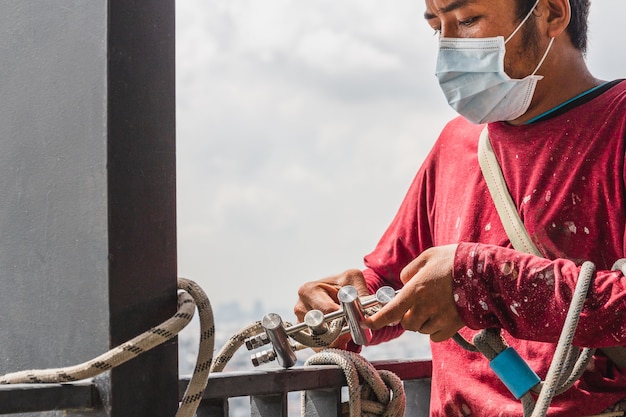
pixel 457 4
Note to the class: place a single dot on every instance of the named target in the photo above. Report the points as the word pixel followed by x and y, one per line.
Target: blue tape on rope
pixel 518 377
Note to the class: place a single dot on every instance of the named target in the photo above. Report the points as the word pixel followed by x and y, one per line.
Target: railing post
pixel 213 408
pixel 417 397
pixel 268 405
pixel 322 402
pixel 141 194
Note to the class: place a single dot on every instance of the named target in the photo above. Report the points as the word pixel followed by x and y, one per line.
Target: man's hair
pixel 578 25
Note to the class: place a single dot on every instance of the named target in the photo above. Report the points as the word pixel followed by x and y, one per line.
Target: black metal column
pixel 141 199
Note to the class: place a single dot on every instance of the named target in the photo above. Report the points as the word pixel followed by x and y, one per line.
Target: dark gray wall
pixel 53 205
pixel 87 189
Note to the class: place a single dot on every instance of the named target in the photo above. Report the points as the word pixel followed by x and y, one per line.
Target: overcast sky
pixel 301 124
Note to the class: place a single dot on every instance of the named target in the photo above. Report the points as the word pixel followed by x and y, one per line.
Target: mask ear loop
pixel 545 55
pixel 522 24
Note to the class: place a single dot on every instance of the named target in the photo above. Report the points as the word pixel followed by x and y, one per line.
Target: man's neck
pixel 567 79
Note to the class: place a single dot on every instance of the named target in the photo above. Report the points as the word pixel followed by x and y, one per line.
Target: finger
pixel 409 271
pixel 442 335
pixel 299 310
pixel 440 329
pixel 427 328
pixel 414 322
pixel 316 295
pixel 391 313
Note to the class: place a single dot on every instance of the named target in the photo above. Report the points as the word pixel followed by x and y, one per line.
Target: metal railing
pixel 267 390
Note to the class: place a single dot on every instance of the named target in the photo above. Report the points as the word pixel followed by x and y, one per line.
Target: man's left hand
pixel 425 304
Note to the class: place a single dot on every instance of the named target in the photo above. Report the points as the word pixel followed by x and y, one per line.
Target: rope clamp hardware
pixel 353 310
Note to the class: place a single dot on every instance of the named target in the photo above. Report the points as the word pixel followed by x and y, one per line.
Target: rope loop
pixel 312 340
pixel 568 363
pixel 190 296
pixel 381 394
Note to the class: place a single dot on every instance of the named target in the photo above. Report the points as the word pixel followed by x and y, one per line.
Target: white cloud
pixel 300 126
pixel 333 52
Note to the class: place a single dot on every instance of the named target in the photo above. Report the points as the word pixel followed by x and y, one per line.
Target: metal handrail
pixel 256 384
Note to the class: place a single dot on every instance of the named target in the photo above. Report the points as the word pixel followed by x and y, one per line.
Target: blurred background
pixel 300 125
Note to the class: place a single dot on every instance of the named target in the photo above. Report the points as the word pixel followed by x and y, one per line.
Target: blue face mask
pixel 471 74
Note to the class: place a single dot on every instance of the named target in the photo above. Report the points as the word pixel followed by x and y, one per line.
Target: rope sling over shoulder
pixel 562 373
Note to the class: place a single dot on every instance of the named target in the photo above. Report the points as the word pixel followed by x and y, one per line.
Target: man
pixel 559 136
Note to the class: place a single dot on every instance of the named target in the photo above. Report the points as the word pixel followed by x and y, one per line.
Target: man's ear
pixel 558 16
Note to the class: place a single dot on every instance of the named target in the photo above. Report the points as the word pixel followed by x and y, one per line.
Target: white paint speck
pixel 470 273
pixel 526 199
pixel 484 305
pixel 548 196
pixel 549 277
pixel 488 227
pixel 456 298
pixel 514 308
pixel 571 227
pixel 586 229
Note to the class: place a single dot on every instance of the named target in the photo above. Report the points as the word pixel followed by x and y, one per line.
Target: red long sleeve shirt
pixel 566 176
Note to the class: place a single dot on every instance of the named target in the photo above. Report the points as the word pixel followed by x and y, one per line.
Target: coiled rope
pixel 373 398
pixel 191 296
pixel 381 392
pixel 569 362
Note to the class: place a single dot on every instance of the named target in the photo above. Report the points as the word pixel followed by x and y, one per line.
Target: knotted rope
pixel 382 392
pixel 191 296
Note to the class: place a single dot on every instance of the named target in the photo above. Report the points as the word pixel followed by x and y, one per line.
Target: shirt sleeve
pixel 406 237
pixel 529 296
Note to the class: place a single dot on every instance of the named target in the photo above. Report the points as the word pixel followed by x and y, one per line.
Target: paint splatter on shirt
pixel 575 162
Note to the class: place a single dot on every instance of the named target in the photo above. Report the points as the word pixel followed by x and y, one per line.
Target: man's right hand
pixel 322 295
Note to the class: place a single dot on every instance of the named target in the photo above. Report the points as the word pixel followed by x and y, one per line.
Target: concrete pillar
pixel 87 189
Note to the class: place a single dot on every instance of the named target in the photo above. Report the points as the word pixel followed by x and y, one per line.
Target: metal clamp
pixel 352 308
pixel 351 304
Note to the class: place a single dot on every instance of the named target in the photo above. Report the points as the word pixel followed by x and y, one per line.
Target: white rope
pixel 382 393
pixel 565 340
pixel 568 362
pixel 191 296
pixel 198 382
pixel 234 343
pixel 309 339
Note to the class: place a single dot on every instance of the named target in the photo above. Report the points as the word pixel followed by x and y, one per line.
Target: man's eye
pixel 468 22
